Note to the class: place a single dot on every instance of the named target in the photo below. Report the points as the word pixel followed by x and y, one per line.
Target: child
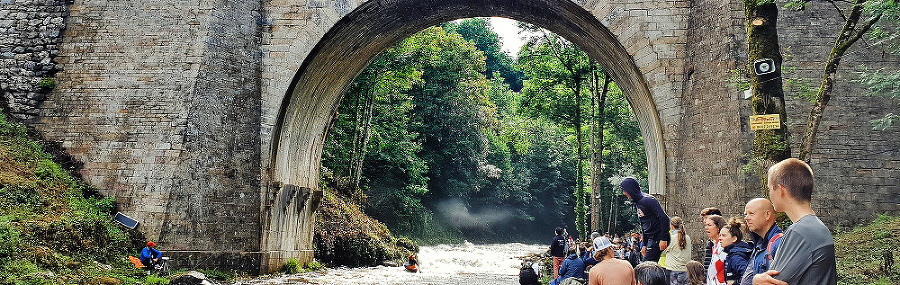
pixel 696 273
pixel 738 252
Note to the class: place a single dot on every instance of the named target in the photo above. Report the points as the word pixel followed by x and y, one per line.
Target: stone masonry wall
pixel 160 101
pixel 709 146
pixel 32 31
pixel 857 168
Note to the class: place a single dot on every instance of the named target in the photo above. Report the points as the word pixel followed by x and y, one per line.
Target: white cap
pixel 601 243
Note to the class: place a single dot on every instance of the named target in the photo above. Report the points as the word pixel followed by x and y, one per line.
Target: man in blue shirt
pixel 654 221
pixel 150 256
pixel 760 216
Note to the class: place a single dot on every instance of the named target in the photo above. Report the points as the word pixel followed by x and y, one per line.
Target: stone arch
pixel 350 45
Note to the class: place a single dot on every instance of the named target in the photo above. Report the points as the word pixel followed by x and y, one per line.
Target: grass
pixel 53 228
pixel 859 252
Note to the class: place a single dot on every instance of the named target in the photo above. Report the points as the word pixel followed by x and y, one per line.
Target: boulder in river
pixel 191 278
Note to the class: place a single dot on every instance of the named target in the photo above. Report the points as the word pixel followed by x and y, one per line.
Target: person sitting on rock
pixel 527 275
pixel 150 256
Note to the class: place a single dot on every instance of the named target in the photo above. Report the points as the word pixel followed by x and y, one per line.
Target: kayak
pixel 412 268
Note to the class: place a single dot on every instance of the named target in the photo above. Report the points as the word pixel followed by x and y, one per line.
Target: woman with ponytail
pixel 678 253
pixel 738 252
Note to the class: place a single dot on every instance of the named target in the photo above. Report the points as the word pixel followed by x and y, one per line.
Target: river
pixel 493 264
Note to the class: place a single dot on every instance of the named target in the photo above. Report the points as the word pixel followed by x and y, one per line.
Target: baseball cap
pixel 601 242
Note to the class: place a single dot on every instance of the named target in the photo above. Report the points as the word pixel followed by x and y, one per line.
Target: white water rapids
pixel 495 264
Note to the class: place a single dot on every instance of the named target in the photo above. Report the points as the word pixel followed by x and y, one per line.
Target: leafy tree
pixel 479 32
pixel 376 94
pixel 557 89
pixel 447 152
pixel 884 82
pixel 851 32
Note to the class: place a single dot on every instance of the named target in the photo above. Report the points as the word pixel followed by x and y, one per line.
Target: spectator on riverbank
pixel 150 256
pixel 654 221
pixel 572 267
pixel 610 270
pixel 650 273
pixel 696 273
pixel 738 252
pixel 715 273
pixel 558 250
pixel 709 243
pixel 806 255
pixel 760 216
pixel 527 274
pixel 588 255
pixel 678 253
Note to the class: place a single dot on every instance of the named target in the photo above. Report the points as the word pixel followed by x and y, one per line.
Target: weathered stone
pixel 191 278
pixel 212 83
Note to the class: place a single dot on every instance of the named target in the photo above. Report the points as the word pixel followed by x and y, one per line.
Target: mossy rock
pixel 105 280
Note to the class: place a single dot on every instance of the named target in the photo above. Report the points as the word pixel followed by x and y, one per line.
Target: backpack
pixel 528 277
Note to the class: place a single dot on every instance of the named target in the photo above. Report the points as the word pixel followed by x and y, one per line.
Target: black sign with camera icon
pixel 764 66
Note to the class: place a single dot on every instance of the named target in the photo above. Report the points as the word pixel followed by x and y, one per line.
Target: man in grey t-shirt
pixel 806 255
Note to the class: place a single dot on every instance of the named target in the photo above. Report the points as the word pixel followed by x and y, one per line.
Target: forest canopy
pixel 445 137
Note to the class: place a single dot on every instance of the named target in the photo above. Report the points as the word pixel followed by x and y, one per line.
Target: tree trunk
pixel 849 35
pixel 361 139
pixel 597 154
pixel 595 168
pixel 768 94
pixel 580 199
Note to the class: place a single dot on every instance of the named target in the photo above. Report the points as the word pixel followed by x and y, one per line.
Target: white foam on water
pixel 439 264
pixel 467 258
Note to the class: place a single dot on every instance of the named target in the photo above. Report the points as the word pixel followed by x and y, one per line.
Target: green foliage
pixel 885 33
pixel 859 252
pixel 885 122
pixel 557 90
pixel 885 83
pixel 10 240
pixel 216 274
pixel 739 79
pixel 454 152
pixel 794 83
pixel 797 5
pixel 46 222
pixel 47 83
pixel 498 65
pixel 156 280
pixel 880 82
pixel 313 266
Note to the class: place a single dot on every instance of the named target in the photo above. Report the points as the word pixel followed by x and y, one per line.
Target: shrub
pixel 292 266
pixel 47 83
pixel 10 240
pixel 155 280
pixel 313 266
pixel 217 274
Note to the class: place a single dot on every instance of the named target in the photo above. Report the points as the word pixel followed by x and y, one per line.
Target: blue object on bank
pixel 125 220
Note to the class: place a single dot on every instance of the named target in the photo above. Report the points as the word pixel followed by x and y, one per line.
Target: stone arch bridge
pixel 205 119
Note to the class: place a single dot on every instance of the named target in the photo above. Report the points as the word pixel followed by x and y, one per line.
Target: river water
pixel 493 264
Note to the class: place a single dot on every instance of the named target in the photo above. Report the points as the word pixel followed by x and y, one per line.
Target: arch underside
pixel 351 44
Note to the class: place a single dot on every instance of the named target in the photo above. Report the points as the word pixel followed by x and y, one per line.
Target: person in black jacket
pixel 558 250
pixel 654 221
pixel 527 276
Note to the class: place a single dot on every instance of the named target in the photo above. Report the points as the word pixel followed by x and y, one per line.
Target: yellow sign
pixel 765 122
